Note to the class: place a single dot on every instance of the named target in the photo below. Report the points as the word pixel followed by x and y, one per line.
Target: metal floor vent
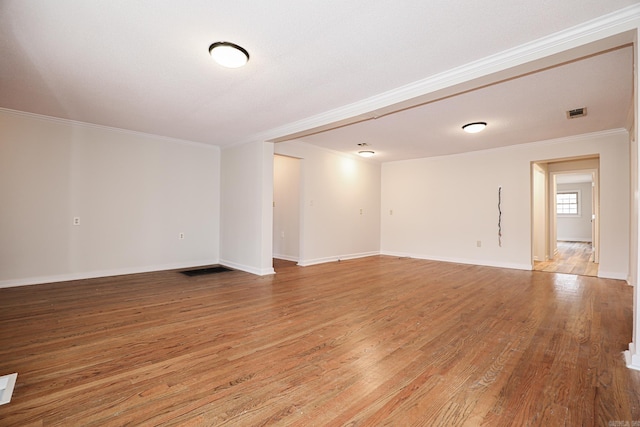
pixel 578 112
pixel 7 383
pixel 206 270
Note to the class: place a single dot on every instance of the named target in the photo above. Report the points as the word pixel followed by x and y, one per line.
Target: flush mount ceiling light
pixel 228 54
pixel 365 153
pixel 474 127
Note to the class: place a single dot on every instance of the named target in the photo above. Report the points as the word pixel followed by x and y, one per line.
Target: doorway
pixel 286 208
pixel 565 216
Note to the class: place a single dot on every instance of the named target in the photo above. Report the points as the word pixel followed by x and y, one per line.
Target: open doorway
pixel 565 216
pixel 286 210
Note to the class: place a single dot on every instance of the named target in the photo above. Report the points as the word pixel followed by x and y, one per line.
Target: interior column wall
pixel 633 354
pixel 247 207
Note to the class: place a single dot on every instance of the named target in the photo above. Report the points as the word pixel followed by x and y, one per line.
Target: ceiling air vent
pixel 578 112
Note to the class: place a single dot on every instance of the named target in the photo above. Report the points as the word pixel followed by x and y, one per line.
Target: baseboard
pixel 612 275
pixel 248 268
pixel 308 262
pixel 286 257
pixel 484 263
pixel 574 239
pixel 632 358
pixel 101 273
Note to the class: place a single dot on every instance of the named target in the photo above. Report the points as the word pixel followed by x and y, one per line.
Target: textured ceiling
pixel 143 65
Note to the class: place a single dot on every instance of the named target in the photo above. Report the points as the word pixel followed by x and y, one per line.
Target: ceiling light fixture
pixel 365 153
pixel 229 55
pixel 474 127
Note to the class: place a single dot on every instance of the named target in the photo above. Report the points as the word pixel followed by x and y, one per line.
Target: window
pixel 567 203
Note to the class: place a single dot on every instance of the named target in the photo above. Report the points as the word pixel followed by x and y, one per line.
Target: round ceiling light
pixel 228 54
pixel 366 153
pixel 474 127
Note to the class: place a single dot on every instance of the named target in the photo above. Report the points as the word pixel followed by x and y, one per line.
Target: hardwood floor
pixel 572 258
pixel 373 341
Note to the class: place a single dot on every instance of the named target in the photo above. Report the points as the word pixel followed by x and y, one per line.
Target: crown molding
pixel 606 32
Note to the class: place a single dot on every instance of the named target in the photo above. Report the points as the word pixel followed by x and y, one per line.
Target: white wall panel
pixel 443 206
pixel 246 203
pixel 340 212
pixel 134 195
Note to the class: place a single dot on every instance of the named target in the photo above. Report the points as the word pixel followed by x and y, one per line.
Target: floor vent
pixel 206 270
pixel 7 383
pixel 578 112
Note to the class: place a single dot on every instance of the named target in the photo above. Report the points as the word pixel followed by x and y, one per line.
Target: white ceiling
pixel 526 109
pixel 143 65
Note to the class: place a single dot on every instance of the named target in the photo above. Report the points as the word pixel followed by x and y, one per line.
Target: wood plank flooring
pixel 373 341
pixel 572 258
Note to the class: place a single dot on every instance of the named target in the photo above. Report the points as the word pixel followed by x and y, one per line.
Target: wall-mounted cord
pixel 499 216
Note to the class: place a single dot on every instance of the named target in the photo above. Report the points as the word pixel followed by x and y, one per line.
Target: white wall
pixel 540 212
pixel 340 213
pixel 286 208
pixel 134 194
pixel 442 206
pixel 576 228
pixel 247 207
pixel 632 356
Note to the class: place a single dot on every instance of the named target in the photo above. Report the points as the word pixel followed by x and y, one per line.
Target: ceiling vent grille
pixel 578 112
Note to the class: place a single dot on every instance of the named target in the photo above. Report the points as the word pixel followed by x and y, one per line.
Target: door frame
pixel 595 209
pixel 583 164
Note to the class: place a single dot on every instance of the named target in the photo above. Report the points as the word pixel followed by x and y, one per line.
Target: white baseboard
pixel 574 239
pixel 248 268
pixel 308 262
pixel 66 277
pixel 286 257
pixel 632 357
pixel 485 263
pixel 612 275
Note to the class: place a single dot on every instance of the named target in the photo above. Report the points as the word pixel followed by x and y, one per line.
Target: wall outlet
pixel 479 243
pixel 76 220
pixel 181 236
